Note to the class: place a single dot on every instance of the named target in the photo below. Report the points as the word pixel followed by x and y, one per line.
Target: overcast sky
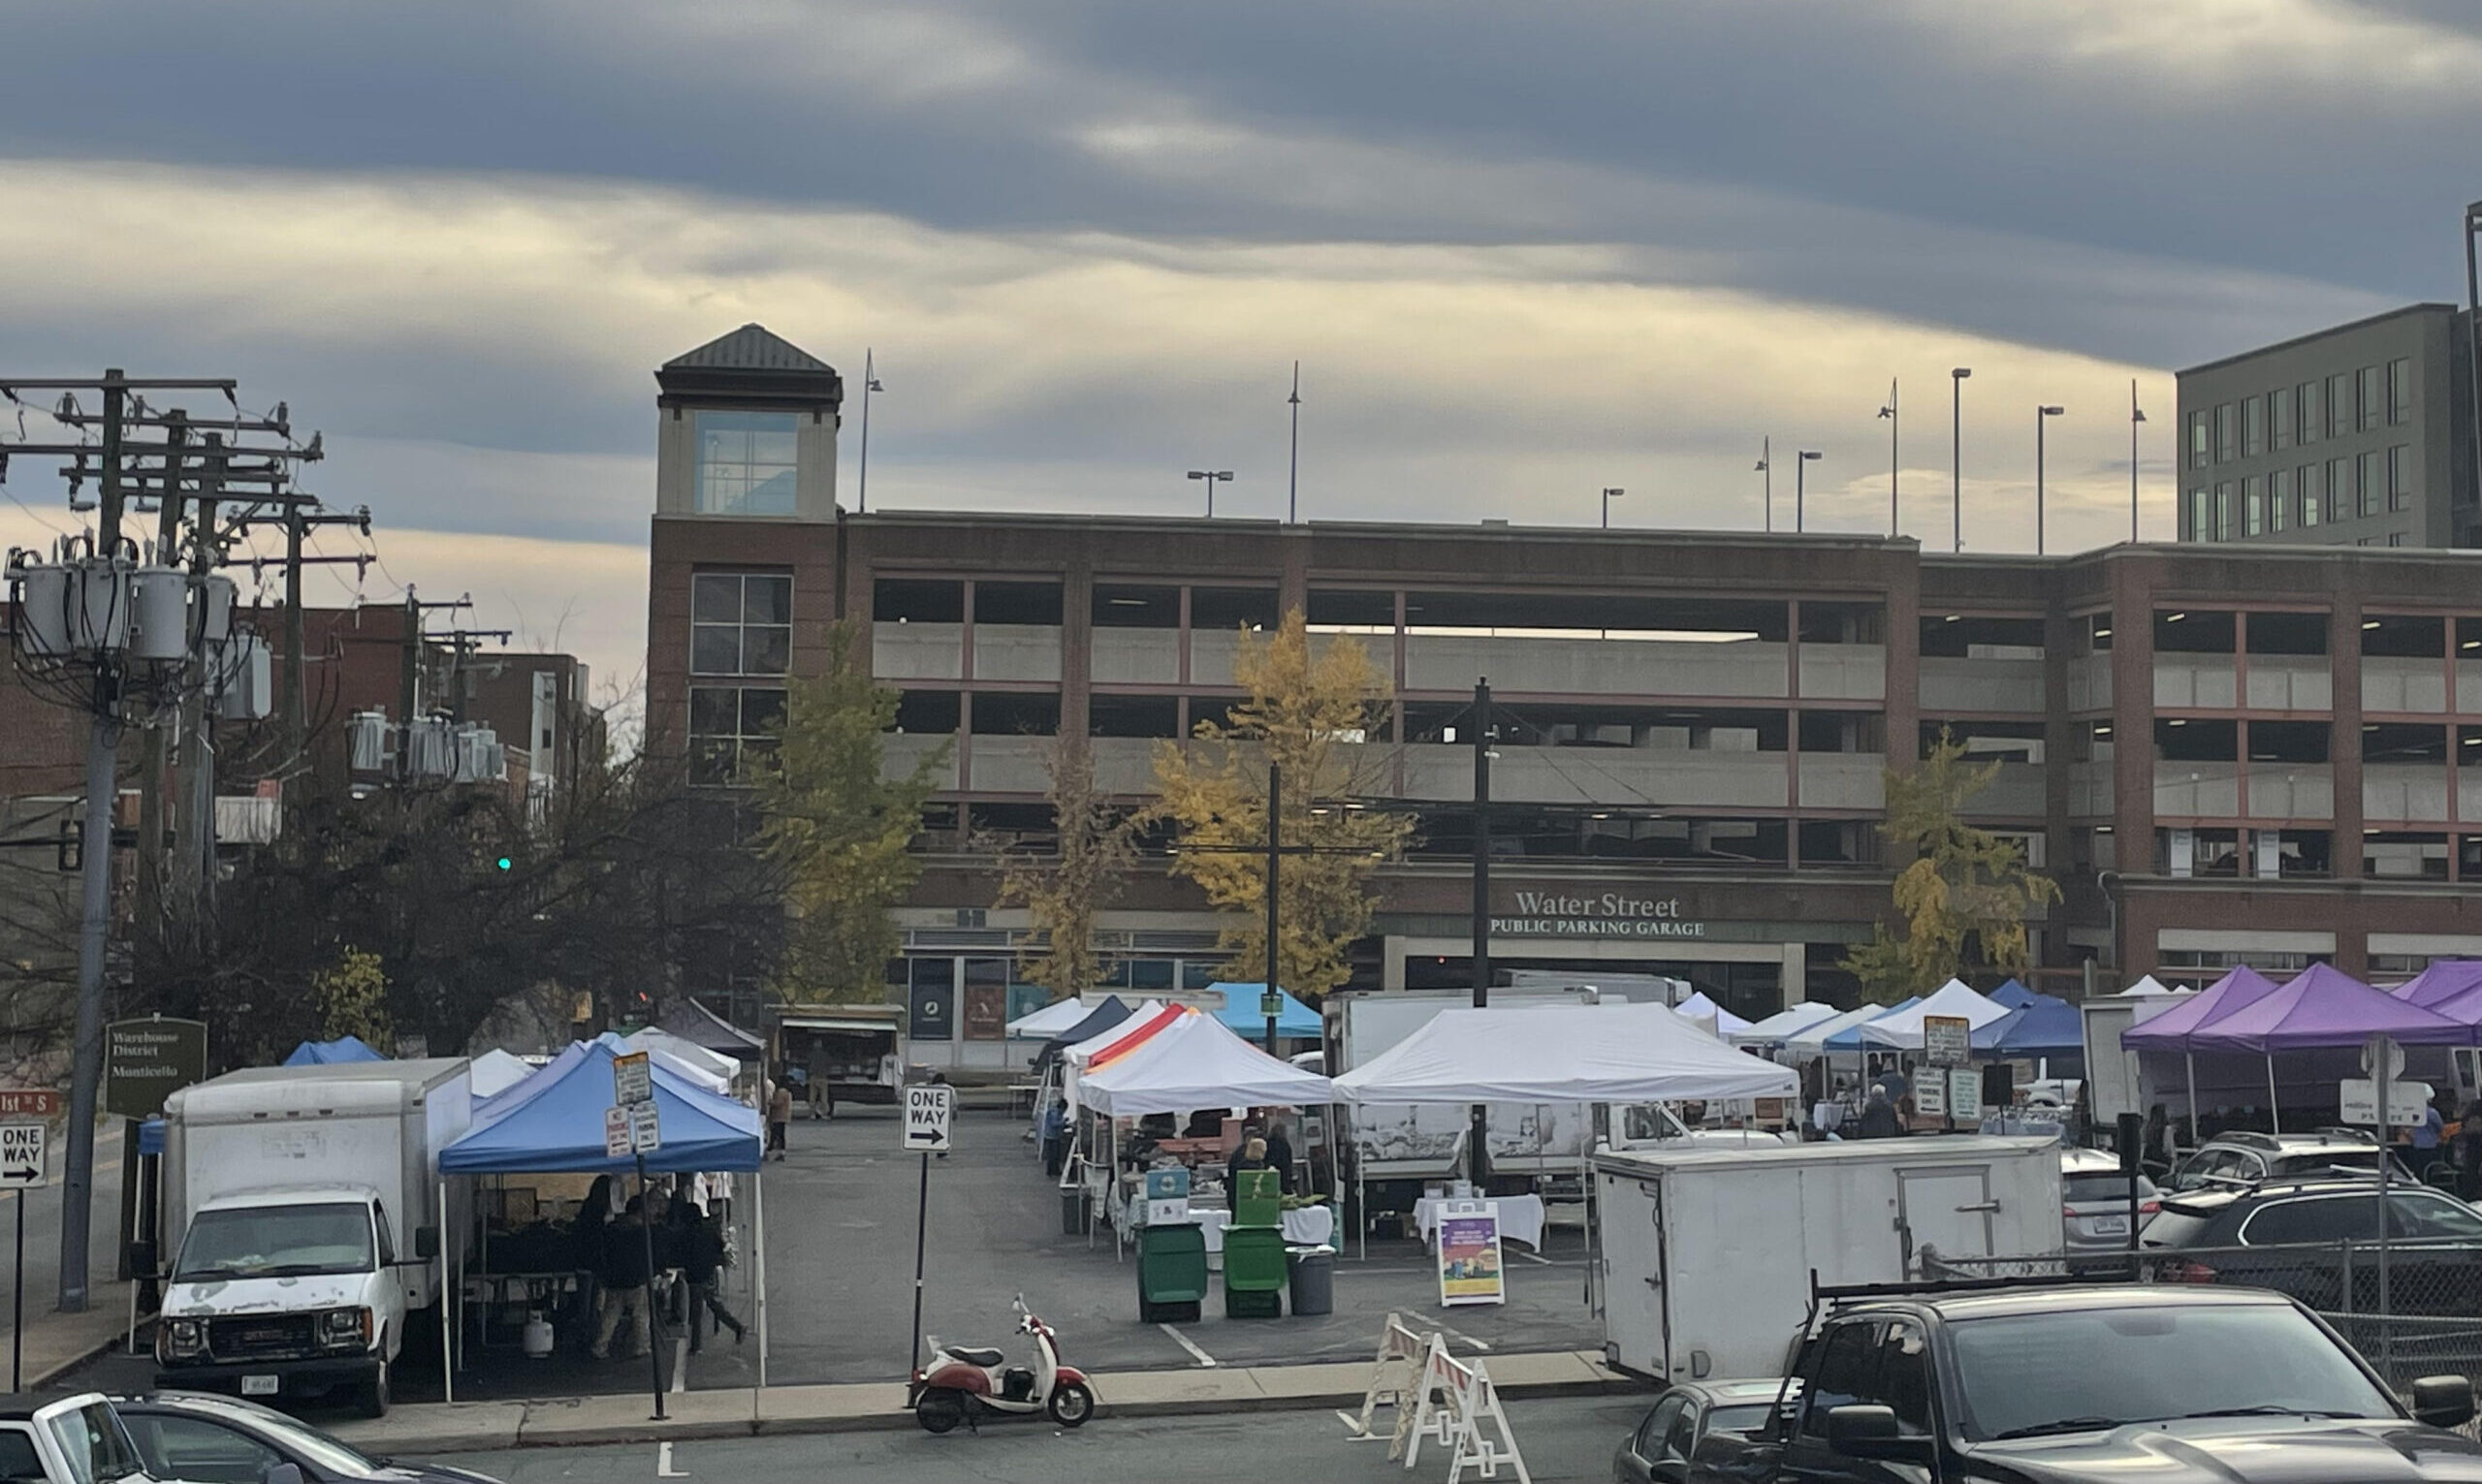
pixel 1522 252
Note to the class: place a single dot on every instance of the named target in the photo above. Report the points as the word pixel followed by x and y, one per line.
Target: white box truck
pixel 306 1206
pixel 1707 1255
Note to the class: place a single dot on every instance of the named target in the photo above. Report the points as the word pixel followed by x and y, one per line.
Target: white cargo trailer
pixel 1707 1255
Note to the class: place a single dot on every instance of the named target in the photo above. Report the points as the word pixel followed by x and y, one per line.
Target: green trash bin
pixel 1253 1271
pixel 1258 1198
pixel 1171 1273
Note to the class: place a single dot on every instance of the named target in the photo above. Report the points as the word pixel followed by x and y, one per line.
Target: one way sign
pixel 926 1118
pixel 22 1152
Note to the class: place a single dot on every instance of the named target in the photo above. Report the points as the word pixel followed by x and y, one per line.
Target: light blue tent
pixel 1849 1037
pixel 1242 1015
pixel 332 1053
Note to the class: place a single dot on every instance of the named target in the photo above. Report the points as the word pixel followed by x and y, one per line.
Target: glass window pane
pixel 2280 419
pixel 2279 499
pixel 2371 404
pixel 762 710
pixel 714 597
pixel 767 600
pixel 714 711
pixel 2400 391
pixel 746 462
pixel 2254 505
pixel 715 649
pixel 2339 489
pixel 2373 485
pixel 2339 405
pixel 2253 428
pixel 2224 441
pixel 2399 476
pixel 767 652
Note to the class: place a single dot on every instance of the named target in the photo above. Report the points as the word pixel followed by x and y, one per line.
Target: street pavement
pixel 41 1274
pixel 1562 1439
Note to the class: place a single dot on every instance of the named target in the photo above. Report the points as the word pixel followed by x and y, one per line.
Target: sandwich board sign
pixel 1469 1254
pixel 926 1118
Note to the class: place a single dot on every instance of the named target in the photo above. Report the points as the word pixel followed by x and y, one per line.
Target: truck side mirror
pixel 2443 1400
pixel 1862 1430
pixel 281 1474
pixel 426 1243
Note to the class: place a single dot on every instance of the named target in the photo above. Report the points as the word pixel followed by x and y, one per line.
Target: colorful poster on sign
pixel 986 1011
pixel 1469 1255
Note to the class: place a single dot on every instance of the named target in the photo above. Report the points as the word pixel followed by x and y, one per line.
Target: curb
pixel 531 1434
pixel 38 1380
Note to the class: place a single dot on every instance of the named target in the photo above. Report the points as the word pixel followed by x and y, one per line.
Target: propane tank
pixel 538 1336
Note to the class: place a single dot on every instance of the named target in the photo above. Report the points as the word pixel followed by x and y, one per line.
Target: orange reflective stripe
pixel 1134 1039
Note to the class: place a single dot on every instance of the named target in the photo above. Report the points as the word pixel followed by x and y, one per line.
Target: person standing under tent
pixel 779 1119
pixel 699 1246
pixel 1280 1153
pixel 624 1276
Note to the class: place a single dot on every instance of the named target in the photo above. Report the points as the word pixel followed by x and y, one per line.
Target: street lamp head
pixel 1758 467
pixel 1812 454
pixel 1961 372
pixel 2136 414
pixel 2050 412
pixel 1614 492
pixel 873 384
pixel 1887 412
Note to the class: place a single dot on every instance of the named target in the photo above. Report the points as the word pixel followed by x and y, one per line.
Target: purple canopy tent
pixel 2323 1008
pixel 2444 980
pixel 2170 1030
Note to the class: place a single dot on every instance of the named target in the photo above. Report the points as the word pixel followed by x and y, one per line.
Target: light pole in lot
pixel 1213 477
pixel 1610 493
pixel 2042 420
pixel 1888 412
pixel 1800 467
pixel 2137 415
pixel 1956 447
pixel 870 383
pixel 1765 467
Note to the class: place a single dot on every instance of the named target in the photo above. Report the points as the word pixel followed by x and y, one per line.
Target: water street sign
pixel 22 1155
pixel 646 1133
pixel 926 1118
pixel 1947 1040
pixel 633 1080
pixel 616 1133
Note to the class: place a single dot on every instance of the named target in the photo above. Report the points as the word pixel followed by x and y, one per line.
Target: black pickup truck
pixel 2043 1386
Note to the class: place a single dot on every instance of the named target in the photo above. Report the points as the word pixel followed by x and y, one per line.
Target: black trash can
pixel 1074 1204
pixel 1310 1272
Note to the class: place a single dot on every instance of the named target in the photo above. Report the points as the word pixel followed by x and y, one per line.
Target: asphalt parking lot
pixel 840 1242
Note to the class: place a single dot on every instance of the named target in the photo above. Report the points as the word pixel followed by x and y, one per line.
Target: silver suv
pixel 2244 1159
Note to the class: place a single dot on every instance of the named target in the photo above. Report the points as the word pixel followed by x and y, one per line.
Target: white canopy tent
pixel 1196 1063
pixel 1901 1030
pixel 1562 1054
pixel 1783 1025
pixel 1052 1019
pixel 707 1068
pixel 497 1071
pixel 1810 1042
pixel 2148 984
pixel 1702 1010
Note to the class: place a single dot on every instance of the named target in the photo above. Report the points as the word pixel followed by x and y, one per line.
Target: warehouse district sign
pixel 1592 914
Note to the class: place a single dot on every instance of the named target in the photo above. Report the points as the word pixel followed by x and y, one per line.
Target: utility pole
pixel 193 862
pixel 1478 1158
pixel 408 666
pixel 1273 1003
pixel 297 716
pixel 155 758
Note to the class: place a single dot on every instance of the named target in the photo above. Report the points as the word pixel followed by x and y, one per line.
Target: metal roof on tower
pixel 753 367
pixel 753 347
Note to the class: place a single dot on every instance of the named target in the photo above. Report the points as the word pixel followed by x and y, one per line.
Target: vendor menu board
pixel 1469 1269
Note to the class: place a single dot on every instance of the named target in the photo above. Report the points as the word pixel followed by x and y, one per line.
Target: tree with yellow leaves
pixel 1312 709
pixel 1967 894
pixel 1063 890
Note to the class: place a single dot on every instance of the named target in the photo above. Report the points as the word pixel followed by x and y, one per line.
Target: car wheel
pixel 1071 1404
pixel 370 1399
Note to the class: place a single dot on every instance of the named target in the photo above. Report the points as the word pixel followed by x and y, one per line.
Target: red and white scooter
pixel 961 1382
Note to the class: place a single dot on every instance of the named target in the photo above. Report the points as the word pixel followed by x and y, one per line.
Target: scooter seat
pixel 976 1357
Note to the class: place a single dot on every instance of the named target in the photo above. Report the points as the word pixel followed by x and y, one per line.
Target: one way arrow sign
pixel 22 1155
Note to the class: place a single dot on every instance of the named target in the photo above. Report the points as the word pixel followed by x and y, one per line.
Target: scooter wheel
pixel 938 1411
pixel 1071 1404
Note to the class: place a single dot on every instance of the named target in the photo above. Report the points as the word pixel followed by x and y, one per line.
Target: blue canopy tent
pixel 343 1048
pixel 1242 1015
pixel 1849 1037
pixel 2012 995
pixel 2047 1027
pixel 552 1123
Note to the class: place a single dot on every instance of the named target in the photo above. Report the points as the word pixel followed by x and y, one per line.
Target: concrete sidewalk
pixel 57 1342
pixel 468 1427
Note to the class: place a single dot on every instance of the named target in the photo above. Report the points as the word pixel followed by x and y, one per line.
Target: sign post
pixel 928 1109
pixel 1947 1042
pixel 2384 1060
pixel 21 1169
pixel 630 1127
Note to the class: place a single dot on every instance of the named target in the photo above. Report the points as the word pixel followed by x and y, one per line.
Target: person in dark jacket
pixel 700 1247
pixel 1280 1155
pixel 1251 1156
pixel 623 1273
pixel 1879 1116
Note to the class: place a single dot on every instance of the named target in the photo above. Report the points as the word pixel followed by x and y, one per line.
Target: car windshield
pixel 277 1242
pixel 2028 1373
pixel 271 1426
pixel 92 1440
pixel 2080 1190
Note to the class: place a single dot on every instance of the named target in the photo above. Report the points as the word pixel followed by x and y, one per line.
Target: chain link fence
pixel 2412 1308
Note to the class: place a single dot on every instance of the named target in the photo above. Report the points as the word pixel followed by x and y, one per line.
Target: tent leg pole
pixel 447 1355
pixel 759 1263
pixel 1361 1196
pixel 2274 1118
pixel 2192 1058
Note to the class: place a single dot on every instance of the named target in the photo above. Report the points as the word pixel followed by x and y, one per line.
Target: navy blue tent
pixel 343 1048
pixel 2049 1027
pixel 1103 1017
pixel 552 1123
pixel 2011 996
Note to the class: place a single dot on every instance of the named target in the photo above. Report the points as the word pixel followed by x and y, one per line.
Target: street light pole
pixel 1273 1001
pixel 1956 447
pixel 1888 412
pixel 1212 477
pixel 2042 420
pixel 1800 467
pixel 1610 493
pixel 1477 1157
pixel 870 383
pixel 1765 467
pixel 1292 479
pixel 2136 416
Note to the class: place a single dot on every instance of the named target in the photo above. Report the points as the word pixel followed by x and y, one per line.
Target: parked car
pixel 2045 1384
pixel 1711 1422
pixel 2094 1201
pixel 2288 1235
pixel 70 1439
pixel 2245 1158
pixel 209 1439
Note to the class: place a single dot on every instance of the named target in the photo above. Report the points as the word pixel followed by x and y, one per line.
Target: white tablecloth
pixel 1520 1217
pixel 1307 1226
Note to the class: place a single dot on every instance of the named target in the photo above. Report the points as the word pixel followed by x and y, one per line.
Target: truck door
pixel 1869 1362
pixel 1945 1207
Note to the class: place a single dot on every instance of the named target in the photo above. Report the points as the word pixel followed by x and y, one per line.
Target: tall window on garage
pixel 746 464
pixel 741 648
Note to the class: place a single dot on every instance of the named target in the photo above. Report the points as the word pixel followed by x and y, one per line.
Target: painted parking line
pixel 1547 1262
pixel 1461 1337
pixel 663 1463
pixel 1185 1343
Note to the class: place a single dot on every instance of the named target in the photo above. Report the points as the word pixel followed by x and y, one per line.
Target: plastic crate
pixel 1258 1198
